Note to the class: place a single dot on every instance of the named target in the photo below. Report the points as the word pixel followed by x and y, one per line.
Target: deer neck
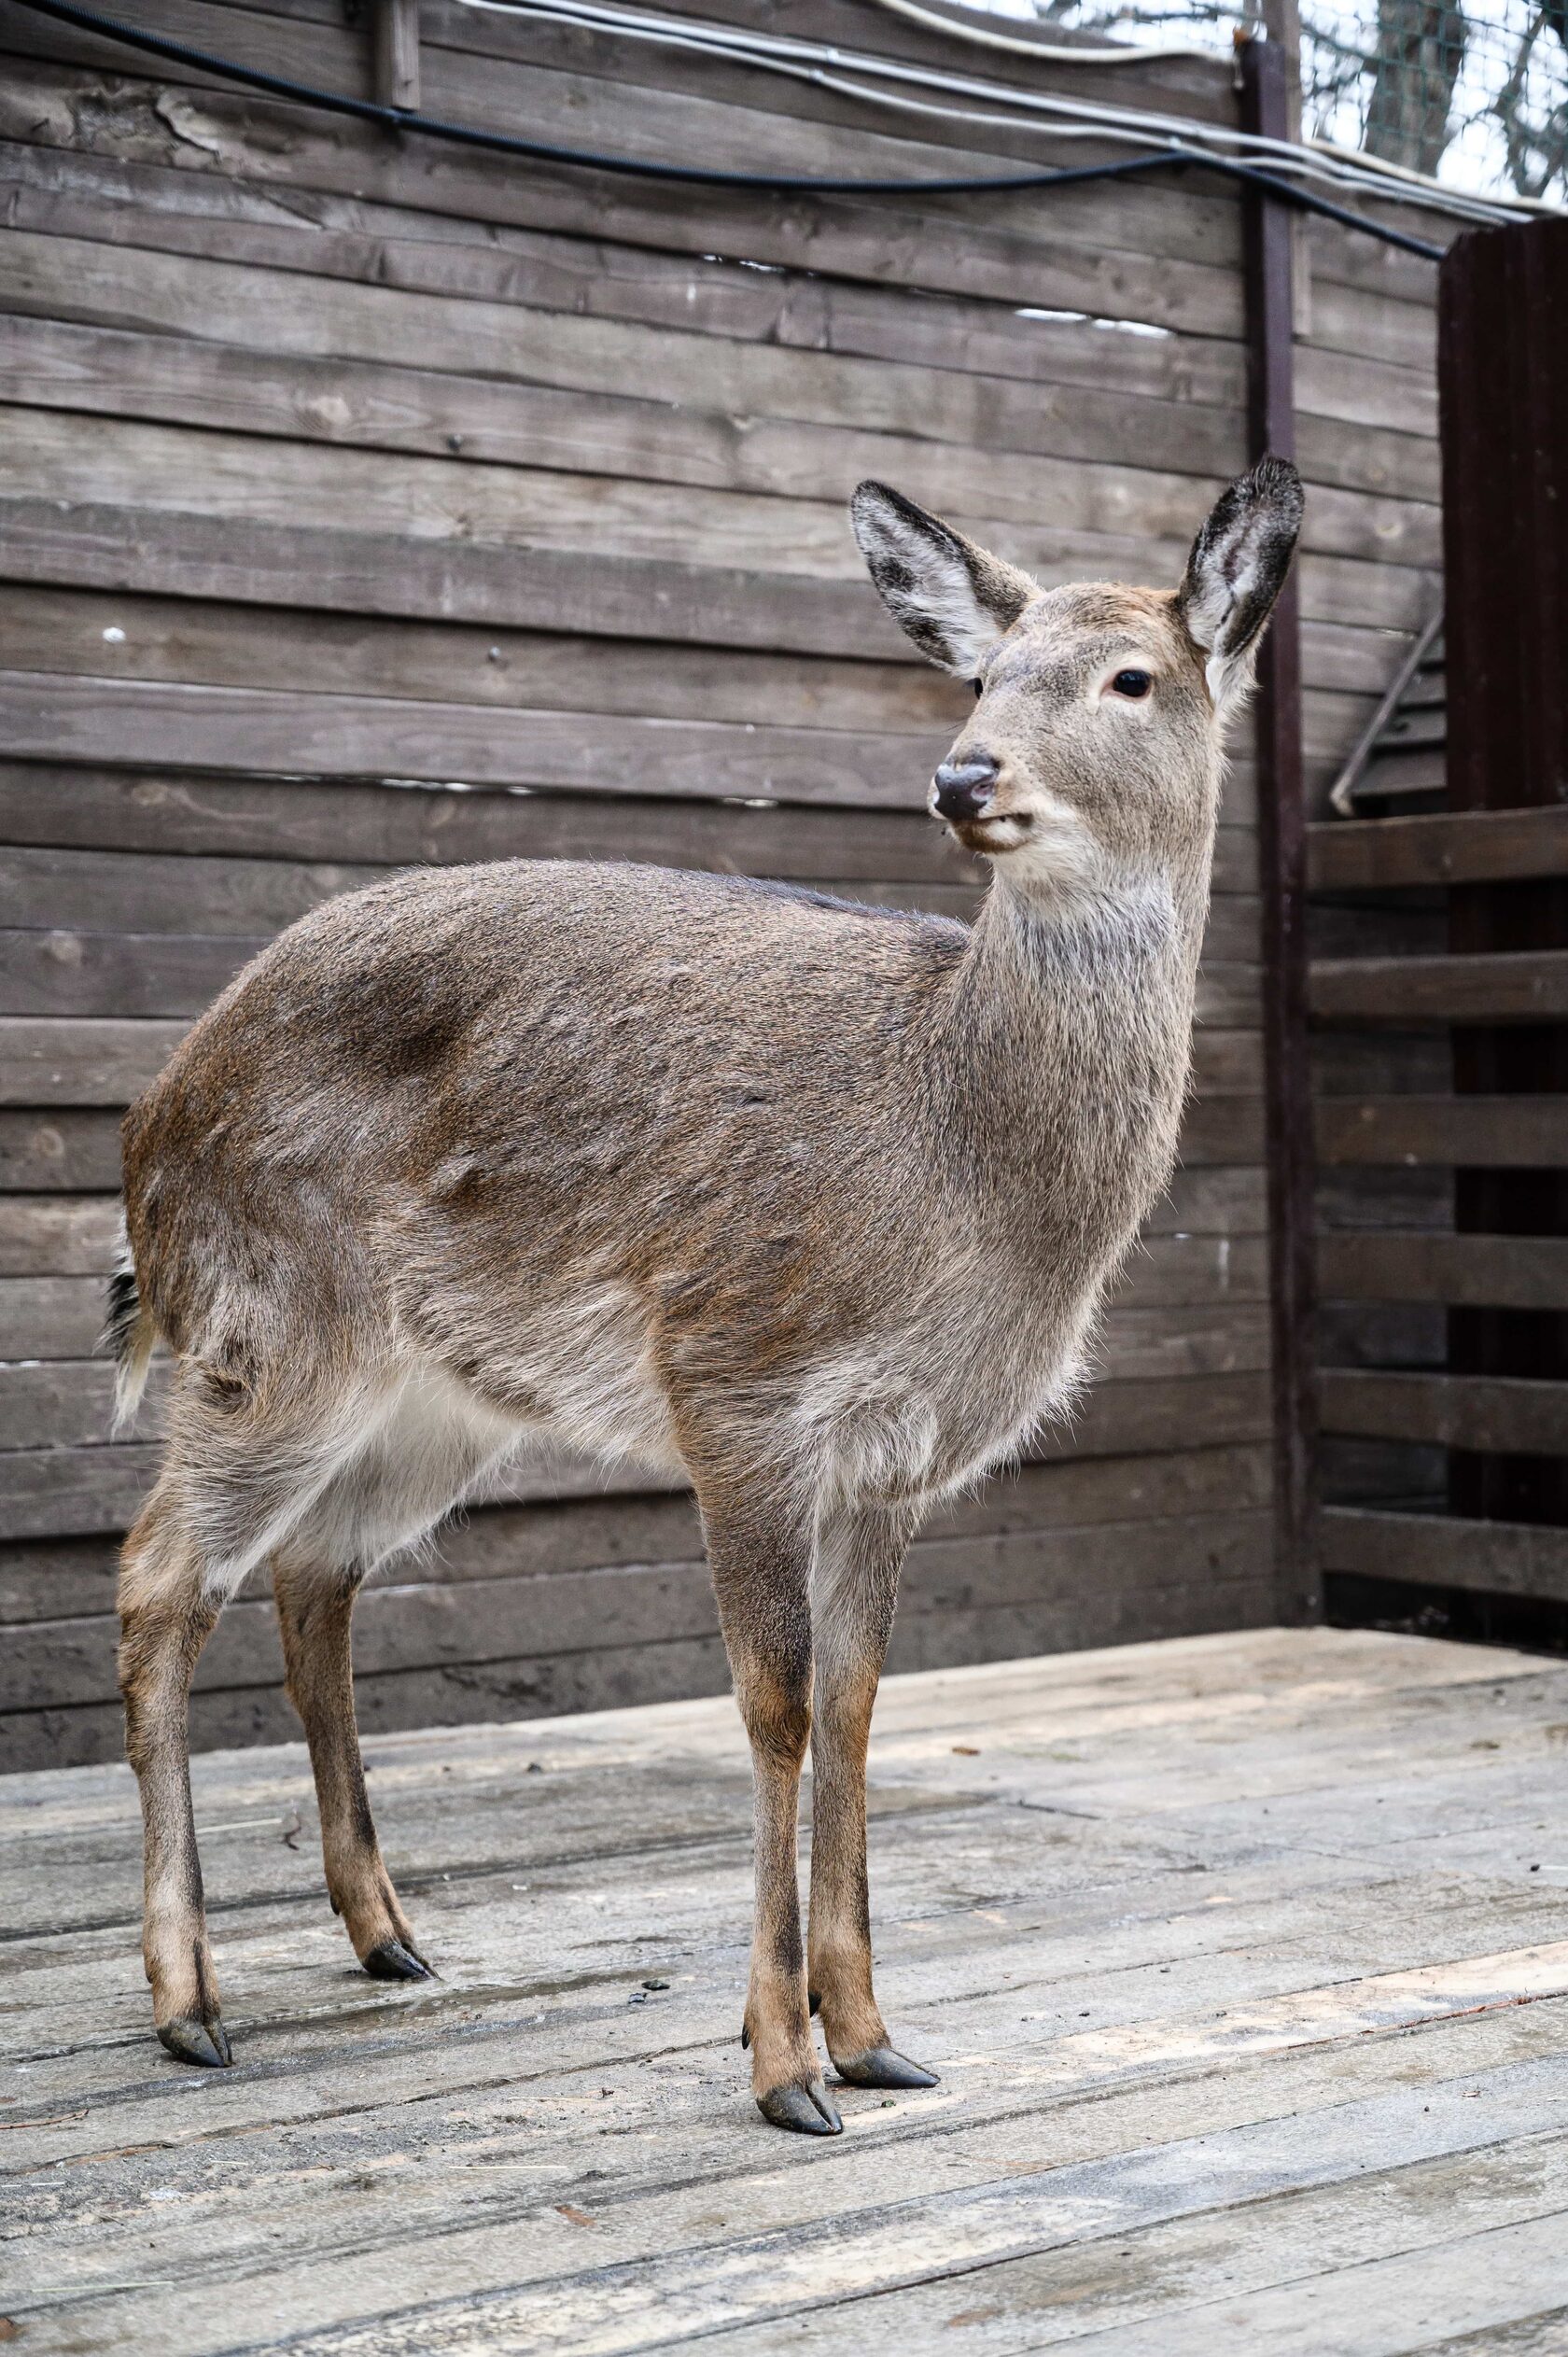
pixel 1064 1053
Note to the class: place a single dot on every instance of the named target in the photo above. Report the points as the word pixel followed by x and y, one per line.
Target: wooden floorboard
pixel 1244 1961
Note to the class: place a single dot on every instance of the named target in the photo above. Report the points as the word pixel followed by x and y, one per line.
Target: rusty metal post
pixel 1267 247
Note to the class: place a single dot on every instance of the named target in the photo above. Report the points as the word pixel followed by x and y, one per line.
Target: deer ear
pixel 954 599
pixel 1236 572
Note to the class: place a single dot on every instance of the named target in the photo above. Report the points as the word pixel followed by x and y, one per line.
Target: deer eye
pixel 979 686
pixel 1132 683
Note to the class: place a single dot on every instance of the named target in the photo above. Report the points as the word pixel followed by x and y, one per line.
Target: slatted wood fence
pixel 364 502
pixel 1443 1128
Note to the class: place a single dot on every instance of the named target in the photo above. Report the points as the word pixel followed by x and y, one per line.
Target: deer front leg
pixel 314 1607
pixel 861 1556
pixel 761 1562
pixel 165 1617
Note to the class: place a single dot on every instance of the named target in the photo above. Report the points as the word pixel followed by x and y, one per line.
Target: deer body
pixel 811 1204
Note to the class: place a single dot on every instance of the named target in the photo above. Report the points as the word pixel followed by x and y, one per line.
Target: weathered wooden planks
pixel 78 1490
pixel 1521 1273
pixel 1525 986
pixel 1435 1551
pixel 448 1625
pixel 1447 847
pixel 334 459
pixel 1491 1413
pixel 1523 1133
pixel 1248 2006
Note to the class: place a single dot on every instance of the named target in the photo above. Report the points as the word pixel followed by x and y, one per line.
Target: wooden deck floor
pixel 1244 1961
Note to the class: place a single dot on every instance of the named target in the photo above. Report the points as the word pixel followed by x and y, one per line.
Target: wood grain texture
pixel 77 1491
pixel 186 552
pixel 1236 2051
pixel 59 1579
pixel 800 524
pixel 1448 1551
pixel 1503 1132
pixel 1525 986
pixel 339 467
pixel 1447 847
pixel 1491 1413
pixel 75 193
pixel 1521 1273
pixel 450 1626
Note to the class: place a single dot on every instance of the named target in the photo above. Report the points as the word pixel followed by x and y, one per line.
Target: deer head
pixel 1092 761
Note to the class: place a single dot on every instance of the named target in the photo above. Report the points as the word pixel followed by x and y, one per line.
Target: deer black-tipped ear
pixel 953 598
pixel 1237 570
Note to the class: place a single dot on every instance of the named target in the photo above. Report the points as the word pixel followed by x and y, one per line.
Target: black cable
pixel 782 184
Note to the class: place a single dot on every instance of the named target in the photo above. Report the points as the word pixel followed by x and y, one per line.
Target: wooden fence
pixel 364 501
pixel 1443 1004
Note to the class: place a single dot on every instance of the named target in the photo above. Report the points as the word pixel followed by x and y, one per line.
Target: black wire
pixel 782 184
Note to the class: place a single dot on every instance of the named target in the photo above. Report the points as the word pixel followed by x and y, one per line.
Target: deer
pixel 810 1205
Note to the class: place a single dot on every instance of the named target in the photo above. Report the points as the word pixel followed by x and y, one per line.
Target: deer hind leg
pixel 760 1551
pixel 238 1484
pixel 315 1608
pixel 416 1458
pixel 167 1613
pixel 860 1555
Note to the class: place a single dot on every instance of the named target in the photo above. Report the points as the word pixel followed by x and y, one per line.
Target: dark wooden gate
pixel 1469 1426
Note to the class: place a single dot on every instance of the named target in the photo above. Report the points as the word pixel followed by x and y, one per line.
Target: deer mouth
pixel 993 831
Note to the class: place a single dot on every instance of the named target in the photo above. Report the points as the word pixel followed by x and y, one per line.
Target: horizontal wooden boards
pixel 410 1622
pixel 1444 1550
pixel 1529 986
pixel 52 1235
pixel 70 1579
pixel 132 203
pixel 340 363
pixel 160 724
pixel 210 644
pixel 1521 1273
pixel 76 1491
pixel 64 818
pixel 180 551
pixel 473 69
pixel 1503 1413
pixel 1075 522
pixel 1106 253
pixel 1481 1132
pixel 1236 2052
pixel 1447 847
pixel 1185 392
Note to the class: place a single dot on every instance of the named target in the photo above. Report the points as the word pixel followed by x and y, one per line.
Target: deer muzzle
pixel 965 788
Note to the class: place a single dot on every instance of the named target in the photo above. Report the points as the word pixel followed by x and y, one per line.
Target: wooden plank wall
pixel 1456 1396
pixel 364 501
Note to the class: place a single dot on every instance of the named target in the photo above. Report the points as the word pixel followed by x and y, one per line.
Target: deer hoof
pixel 187 2039
pixel 809 2110
pixel 392 1961
pixel 880 2067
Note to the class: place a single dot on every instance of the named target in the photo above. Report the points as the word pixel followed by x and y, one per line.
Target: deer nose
pixel 962 789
